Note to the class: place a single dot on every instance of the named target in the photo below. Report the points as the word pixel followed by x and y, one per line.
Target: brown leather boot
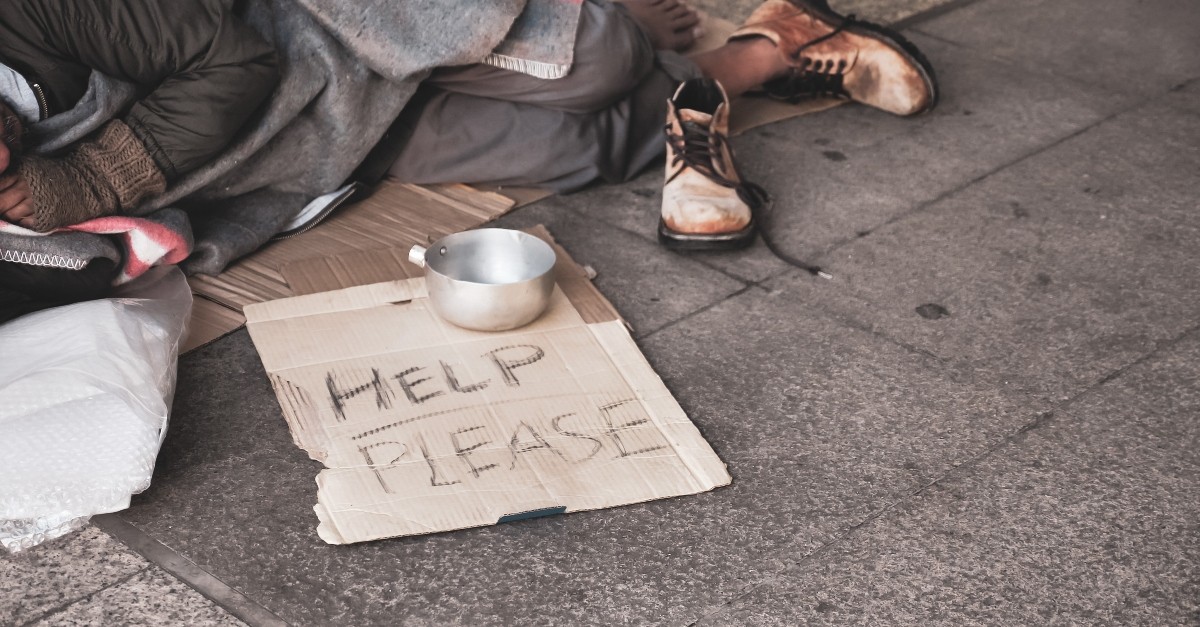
pixel 705 203
pixel 833 55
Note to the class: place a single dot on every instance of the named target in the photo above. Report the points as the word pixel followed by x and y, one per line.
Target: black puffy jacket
pixel 205 70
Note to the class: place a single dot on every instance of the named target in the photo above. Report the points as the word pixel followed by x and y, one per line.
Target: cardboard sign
pixel 425 427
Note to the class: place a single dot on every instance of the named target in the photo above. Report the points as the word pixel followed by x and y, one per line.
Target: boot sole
pixel 675 240
pixel 891 38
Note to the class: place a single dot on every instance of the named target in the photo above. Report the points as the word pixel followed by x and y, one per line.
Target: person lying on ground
pixel 473 123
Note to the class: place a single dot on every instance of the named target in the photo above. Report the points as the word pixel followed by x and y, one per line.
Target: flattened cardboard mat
pixel 397 215
pixel 425 427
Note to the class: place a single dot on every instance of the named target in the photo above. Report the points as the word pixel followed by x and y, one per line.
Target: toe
pixel 689 20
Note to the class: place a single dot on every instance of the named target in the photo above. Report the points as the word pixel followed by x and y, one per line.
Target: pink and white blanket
pixel 145 243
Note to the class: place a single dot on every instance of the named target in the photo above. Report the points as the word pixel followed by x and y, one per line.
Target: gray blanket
pixel 348 68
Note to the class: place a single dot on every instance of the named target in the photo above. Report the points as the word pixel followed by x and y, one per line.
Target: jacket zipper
pixel 43 105
pixel 325 212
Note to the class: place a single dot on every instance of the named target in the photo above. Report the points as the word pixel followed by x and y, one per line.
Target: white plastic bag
pixel 85 391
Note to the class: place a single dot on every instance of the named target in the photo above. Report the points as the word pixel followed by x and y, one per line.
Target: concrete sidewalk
pixel 990 416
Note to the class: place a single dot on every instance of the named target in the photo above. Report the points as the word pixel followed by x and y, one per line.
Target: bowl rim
pixel 431 255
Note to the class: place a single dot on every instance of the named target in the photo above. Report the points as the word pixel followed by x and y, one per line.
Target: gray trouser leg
pixel 479 124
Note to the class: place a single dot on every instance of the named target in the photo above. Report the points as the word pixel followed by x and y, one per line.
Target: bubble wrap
pixel 85 391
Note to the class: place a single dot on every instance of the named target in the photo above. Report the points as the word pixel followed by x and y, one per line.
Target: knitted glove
pixel 105 174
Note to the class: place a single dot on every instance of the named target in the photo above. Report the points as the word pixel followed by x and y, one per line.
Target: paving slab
pixel 843 172
pixel 150 598
pixel 835 423
pixel 823 425
pixel 1045 277
pixel 1143 47
pixel 61 571
pixel 1186 96
pixel 648 284
pixel 1071 524
pixel 1155 402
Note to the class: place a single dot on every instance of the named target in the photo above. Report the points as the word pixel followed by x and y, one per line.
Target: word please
pixel 471 459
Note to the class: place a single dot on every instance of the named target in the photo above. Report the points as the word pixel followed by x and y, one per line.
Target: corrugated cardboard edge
pixel 321 274
pixel 210 321
pixel 334 301
pixel 521 196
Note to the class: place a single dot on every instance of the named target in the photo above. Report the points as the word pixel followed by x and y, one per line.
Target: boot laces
pixel 760 205
pixel 700 149
pixel 813 77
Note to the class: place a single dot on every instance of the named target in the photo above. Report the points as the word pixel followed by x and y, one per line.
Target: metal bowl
pixel 488 279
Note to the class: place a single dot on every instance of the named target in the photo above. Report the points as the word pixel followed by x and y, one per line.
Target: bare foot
pixel 671 24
